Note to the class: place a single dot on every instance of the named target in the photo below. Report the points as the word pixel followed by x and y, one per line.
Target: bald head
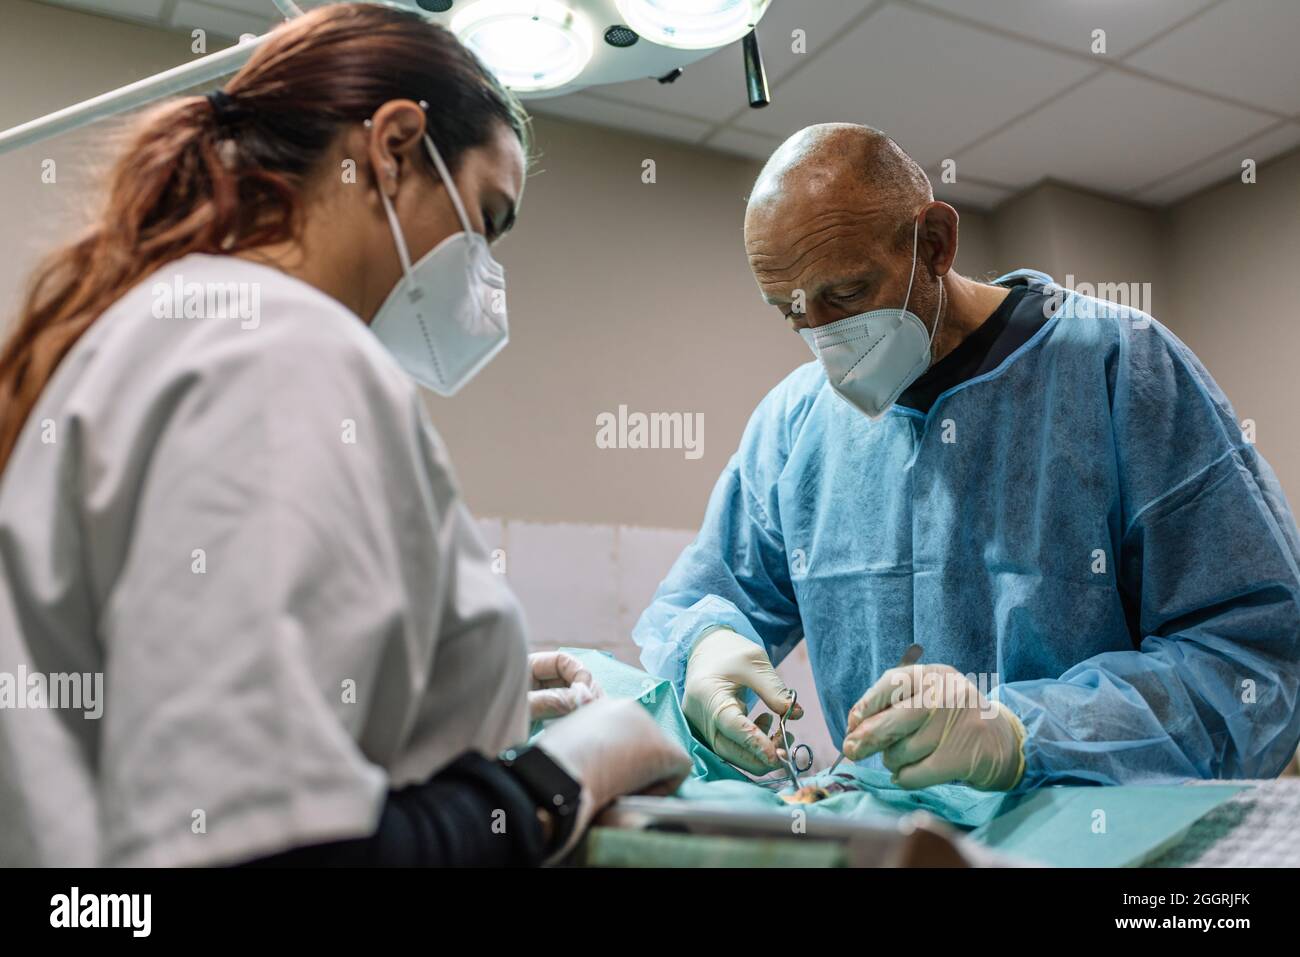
pixel 830 222
pixel 839 166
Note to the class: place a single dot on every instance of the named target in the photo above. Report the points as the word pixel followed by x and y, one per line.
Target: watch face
pixel 546 782
pixel 553 791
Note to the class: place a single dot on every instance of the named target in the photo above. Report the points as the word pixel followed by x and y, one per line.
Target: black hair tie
pixel 224 108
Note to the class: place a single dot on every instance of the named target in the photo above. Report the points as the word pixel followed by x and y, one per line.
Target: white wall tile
pixel 644 557
pixel 565 578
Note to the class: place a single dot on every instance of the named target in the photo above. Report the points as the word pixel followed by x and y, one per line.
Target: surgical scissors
pixel 799 757
pixel 787 739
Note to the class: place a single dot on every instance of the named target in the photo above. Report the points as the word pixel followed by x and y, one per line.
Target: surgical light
pixel 529 44
pixel 692 24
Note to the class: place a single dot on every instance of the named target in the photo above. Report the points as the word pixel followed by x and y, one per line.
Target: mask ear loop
pixel 938 317
pixel 403 254
pixel 446 177
pixel 938 313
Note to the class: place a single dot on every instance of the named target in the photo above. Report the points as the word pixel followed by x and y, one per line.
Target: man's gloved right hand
pixel 721 666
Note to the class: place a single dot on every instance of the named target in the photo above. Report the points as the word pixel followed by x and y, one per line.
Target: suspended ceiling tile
pixel 709 90
pixel 590 109
pixel 932 84
pixel 1246 49
pixel 1114 133
pixel 231 23
pixel 146 10
pixel 264 9
pixel 1070 23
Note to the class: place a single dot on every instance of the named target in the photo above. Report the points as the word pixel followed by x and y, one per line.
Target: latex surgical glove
pixel 931 725
pixel 612 747
pixel 721 666
pixel 560 684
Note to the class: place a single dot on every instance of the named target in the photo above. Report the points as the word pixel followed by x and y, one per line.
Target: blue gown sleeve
pixel 1208 565
pixel 735 574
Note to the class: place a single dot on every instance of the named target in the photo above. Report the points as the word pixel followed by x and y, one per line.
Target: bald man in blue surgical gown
pixel 1062 509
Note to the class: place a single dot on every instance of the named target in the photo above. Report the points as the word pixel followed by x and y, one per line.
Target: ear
pixel 938 238
pixel 394 135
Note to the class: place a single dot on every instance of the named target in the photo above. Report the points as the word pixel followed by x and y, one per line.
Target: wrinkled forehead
pixel 798 237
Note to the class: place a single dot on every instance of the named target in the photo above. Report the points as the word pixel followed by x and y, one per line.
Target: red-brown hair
pixel 192 182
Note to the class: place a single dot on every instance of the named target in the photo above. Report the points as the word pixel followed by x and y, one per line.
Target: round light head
pixel 529 44
pixel 692 24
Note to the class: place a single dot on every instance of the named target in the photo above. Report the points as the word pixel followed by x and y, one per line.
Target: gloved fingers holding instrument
pixel 722 665
pixel 931 725
pixel 559 684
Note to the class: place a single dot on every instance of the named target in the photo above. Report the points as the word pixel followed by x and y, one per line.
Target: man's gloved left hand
pixel 559 684
pixel 720 667
pixel 932 726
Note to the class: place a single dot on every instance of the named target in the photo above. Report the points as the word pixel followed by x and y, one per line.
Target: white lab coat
pixel 255 535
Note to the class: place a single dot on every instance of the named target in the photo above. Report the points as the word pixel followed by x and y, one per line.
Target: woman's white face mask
pixel 446 317
pixel 872 357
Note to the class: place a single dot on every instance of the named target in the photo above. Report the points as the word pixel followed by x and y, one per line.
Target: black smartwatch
pixel 550 787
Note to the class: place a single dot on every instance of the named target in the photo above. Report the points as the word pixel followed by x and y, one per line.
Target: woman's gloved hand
pixel 721 666
pixel 612 747
pixel 560 684
pixel 932 725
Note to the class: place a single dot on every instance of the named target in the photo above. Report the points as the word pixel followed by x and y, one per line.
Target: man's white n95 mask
pixel 872 357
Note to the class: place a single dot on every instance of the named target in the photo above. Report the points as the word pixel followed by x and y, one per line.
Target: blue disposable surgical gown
pixel 1083 527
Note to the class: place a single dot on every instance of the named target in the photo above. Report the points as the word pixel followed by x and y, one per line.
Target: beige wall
pixel 620 293
pixel 1066 232
pixel 49 58
pixel 1233 252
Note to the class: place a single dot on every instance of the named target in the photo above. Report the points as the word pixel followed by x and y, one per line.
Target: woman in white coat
pixel 222 493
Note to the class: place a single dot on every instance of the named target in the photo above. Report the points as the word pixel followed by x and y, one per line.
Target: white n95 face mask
pixel 446 317
pixel 872 357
